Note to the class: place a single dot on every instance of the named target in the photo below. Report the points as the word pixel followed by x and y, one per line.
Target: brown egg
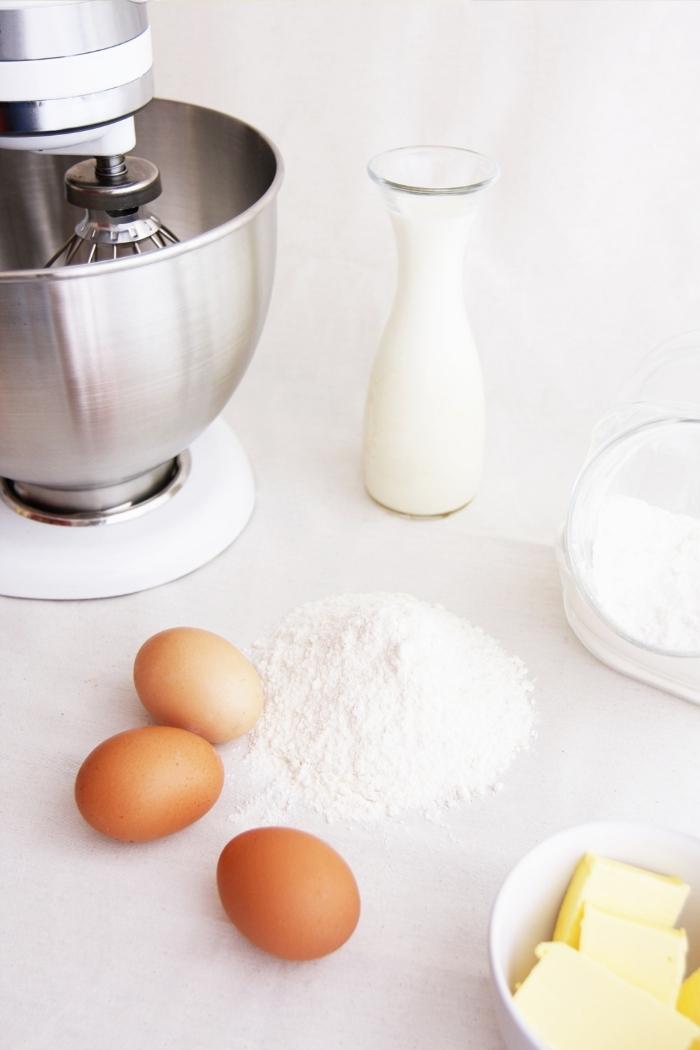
pixel 149 782
pixel 196 680
pixel 288 892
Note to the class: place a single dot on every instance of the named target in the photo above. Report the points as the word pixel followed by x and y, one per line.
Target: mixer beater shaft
pixel 113 191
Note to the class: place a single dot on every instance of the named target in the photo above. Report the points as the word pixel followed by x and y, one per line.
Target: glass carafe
pixel 424 417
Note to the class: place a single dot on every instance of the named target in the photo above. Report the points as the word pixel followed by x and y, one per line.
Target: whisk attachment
pixel 114 191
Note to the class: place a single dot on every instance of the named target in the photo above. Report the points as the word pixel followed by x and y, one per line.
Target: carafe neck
pixel 431 249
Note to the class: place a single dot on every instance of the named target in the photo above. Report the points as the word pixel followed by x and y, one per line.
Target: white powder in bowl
pixel 380 704
pixel 645 572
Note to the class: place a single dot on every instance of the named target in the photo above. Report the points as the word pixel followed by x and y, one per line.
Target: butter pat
pixel 621 889
pixel 649 957
pixel 689 999
pixel 574 1003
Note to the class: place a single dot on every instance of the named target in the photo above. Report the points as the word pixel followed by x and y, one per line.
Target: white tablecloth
pixel 585 255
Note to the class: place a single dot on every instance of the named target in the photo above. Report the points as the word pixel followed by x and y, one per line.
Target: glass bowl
pixel 638 490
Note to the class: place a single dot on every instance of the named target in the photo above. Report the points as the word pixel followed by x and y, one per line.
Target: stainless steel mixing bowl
pixel 108 371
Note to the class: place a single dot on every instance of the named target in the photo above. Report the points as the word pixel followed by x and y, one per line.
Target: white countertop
pixel 120 947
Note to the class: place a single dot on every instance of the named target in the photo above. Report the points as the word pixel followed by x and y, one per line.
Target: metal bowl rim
pixel 67 273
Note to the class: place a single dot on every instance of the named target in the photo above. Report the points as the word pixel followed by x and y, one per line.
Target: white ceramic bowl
pixel 528 902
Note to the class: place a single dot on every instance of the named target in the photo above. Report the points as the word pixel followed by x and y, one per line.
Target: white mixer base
pixel 101 561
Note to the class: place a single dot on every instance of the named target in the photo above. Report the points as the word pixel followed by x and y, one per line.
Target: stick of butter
pixel 649 957
pixel 632 893
pixel 573 1003
pixel 689 999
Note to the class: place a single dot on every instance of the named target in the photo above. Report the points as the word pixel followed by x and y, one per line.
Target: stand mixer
pixel 124 330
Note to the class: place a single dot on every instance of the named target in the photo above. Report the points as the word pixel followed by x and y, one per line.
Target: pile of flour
pixel 380 704
pixel 646 572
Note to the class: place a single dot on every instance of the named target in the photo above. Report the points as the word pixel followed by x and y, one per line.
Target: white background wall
pixel 585 255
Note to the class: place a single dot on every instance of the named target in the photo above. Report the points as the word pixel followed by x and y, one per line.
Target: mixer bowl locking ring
pixel 11 494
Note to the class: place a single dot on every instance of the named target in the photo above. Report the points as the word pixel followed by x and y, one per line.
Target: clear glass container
pixel 424 416
pixel 629 554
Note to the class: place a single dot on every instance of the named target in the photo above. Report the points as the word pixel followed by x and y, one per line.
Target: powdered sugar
pixel 379 704
pixel 646 572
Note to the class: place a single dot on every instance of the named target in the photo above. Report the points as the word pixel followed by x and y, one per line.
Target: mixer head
pixel 72 76
pixel 117 223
